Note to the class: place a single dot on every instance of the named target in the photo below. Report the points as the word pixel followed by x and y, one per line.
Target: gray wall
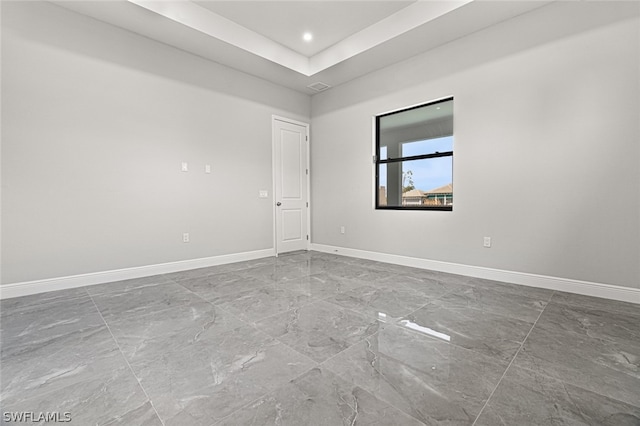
pixel 95 124
pixel 96 121
pixel 546 148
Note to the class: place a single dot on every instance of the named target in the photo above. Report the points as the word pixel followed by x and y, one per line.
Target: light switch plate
pixel 263 193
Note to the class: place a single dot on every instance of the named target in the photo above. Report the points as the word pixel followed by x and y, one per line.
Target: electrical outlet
pixel 342 229
pixel 185 167
pixel 207 168
pixel 185 237
pixel 487 242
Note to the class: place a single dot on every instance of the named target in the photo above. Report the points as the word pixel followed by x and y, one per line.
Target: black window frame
pixel 378 161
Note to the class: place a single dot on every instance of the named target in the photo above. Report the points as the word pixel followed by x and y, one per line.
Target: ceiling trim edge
pixel 209 23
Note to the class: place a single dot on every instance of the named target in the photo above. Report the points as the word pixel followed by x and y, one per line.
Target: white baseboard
pixel 606 291
pixel 52 284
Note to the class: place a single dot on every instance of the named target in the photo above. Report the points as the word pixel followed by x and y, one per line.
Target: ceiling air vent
pixel 319 86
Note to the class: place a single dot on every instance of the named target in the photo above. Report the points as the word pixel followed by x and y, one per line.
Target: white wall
pixel 95 124
pixel 546 148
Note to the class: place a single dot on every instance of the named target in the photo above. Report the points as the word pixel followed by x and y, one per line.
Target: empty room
pixel 320 212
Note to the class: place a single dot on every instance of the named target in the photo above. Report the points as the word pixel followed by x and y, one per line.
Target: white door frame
pixel 275 118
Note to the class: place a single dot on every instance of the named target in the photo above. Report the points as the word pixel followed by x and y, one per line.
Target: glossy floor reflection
pixel 318 339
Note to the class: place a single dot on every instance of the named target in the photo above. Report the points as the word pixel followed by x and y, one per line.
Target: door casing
pixel 275 140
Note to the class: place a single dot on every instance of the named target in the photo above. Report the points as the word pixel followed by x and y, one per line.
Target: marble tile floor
pixel 316 339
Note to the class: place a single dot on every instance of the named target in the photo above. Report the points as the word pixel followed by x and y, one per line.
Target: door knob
pixel 278 204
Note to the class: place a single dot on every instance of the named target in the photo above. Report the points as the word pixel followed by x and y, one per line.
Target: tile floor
pixel 317 339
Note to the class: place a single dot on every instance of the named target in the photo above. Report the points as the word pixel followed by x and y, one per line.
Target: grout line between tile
pixel 492 312
pixel 226 311
pixel 225 295
pixel 266 393
pixel 246 321
pixel 253 324
pixel 307 356
pixel 125 359
pixel 318 365
pixel 512 360
pixel 321 364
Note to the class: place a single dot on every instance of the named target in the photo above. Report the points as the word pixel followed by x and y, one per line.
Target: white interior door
pixel 291 173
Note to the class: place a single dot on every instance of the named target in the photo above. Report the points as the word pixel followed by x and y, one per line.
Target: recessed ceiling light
pixel 307 36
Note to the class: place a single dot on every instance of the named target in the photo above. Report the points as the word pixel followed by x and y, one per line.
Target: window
pixel 414 157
